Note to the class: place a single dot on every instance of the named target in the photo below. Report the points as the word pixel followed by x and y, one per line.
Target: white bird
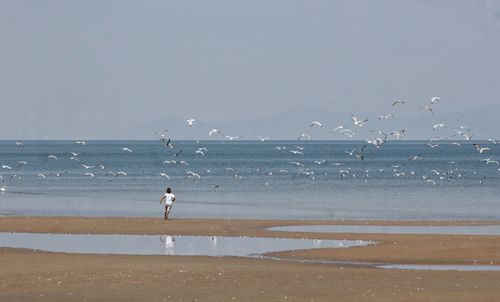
pixel 212 131
pixel 456 144
pixel 74 154
pixel 435 99
pixel 232 137
pixel 6 167
pixel 199 152
pixel 297 163
pixel 190 121
pixel 87 167
pixel 183 162
pixel 319 162
pixel 3 189
pixel 90 174
pixel 427 108
pixel 52 156
pixel 384 117
pixel 193 176
pixel 337 128
pixel 41 175
pixel 296 152
pixel 398 103
pixel 490 161
pixel 438 126
pixel 121 173
pixel 467 136
pixel 398 134
pixel 164 175
pixel 19 143
pixel 169 162
pixel 492 140
pixel 83 143
pixel 347 132
pixel 262 139
pixel 316 123
pixel 22 163
pixel 430 181
pixel 481 149
pixel 127 149
pixel 357 121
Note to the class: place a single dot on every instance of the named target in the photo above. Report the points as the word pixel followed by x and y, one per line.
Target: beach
pixel 28 275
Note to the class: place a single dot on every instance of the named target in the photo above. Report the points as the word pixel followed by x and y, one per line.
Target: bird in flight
pixel 398 103
pixel 190 122
pixel 127 149
pixel 358 122
pixel 316 123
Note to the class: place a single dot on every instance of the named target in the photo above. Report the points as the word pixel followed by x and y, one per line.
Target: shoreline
pixel 28 275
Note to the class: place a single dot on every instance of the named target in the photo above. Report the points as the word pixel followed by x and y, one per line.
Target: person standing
pixel 169 198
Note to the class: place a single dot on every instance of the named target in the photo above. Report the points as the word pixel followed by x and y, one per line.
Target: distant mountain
pixel 483 122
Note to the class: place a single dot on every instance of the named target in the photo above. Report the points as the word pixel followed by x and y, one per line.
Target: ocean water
pixel 252 179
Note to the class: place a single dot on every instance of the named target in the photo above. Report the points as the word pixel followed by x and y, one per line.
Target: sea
pixel 341 180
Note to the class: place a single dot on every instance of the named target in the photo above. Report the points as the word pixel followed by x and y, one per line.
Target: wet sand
pixel 27 275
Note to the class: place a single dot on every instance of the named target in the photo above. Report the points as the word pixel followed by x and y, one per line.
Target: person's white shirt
pixel 169 198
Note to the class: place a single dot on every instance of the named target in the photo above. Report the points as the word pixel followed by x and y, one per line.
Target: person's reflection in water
pixel 168 243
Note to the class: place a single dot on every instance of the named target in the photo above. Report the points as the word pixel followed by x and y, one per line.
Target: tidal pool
pixel 165 244
pixel 377 229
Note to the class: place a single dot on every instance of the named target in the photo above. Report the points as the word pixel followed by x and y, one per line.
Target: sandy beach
pixel 28 275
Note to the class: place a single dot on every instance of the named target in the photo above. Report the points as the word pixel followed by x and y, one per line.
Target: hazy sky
pixel 89 69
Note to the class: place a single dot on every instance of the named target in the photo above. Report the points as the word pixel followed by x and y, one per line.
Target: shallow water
pixel 376 229
pixel 165 244
pixel 469 268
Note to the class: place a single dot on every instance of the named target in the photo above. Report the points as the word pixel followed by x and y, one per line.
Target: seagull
pixel 384 117
pixel 337 128
pixel 297 163
pixel 169 162
pixel 193 176
pixel 232 137
pixel 3 189
pixel 199 152
pixel 415 157
pixel 357 121
pixel 481 149
pixel 90 174
pixel 431 145
pixel 467 136
pixel 398 134
pixel 435 99
pixel 52 156
pixel 121 173
pixel 74 154
pixel 164 175
pixel 347 132
pixel 87 167
pixel 492 140
pixel 262 139
pixel 427 108
pixel 21 163
pixel 490 161
pixel 6 167
pixel 212 131
pixel 190 121
pixel 430 181
pixel 41 175
pixel 319 162
pixel 296 152
pixel 19 144
pixel 126 149
pixel 316 123
pixel 438 126
pixel 83 143
pixel 456 144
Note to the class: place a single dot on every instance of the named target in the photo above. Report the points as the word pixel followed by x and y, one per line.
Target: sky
pixel 95 69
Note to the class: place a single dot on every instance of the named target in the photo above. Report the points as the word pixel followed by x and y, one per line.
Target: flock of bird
pixel 377 141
